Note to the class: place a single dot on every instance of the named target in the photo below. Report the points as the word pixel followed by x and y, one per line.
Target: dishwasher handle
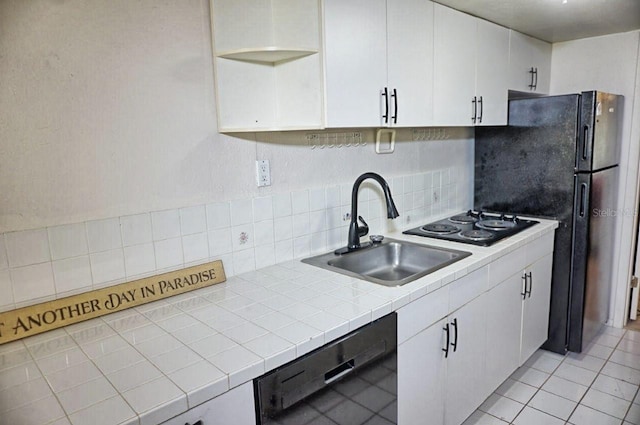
pixel 340 371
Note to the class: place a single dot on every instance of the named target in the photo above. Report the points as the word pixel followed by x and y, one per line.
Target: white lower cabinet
pixel 497 317
pixel 504 312
pixel 465 383
pixel 520 305
pixel 233 407
pixel 441 373
pixel 441 370
pixel 421 374
pixel 535 312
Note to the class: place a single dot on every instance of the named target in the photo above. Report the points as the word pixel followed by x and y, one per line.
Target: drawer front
pixel 467 288
pixel 507 266
pixel 422 313
pixel 540 247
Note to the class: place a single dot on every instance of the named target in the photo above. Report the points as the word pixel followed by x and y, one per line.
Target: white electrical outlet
pixel 263 173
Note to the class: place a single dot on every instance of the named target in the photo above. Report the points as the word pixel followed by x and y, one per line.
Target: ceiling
pixel 556 20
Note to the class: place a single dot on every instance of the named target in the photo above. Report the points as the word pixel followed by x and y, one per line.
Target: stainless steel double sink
pixel 390 262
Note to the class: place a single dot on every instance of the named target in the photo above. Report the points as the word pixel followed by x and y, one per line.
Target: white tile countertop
pixel 150 363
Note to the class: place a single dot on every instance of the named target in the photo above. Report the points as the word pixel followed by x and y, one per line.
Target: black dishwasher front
pixel 349 381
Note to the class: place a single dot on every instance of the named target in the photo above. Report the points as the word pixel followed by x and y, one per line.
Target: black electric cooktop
pixel 474 227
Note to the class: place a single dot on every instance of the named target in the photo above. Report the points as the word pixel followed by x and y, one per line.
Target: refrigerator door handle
pixel 583 199
pixel 585 141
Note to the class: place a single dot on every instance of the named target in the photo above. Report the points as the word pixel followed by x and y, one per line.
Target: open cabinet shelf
pixel 268 64
pixel 271 54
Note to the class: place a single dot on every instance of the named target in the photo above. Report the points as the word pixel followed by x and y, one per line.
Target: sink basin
pixel 390 263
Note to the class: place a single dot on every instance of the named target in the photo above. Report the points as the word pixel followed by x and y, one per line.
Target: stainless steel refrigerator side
pixel 594 225
pixel 598 145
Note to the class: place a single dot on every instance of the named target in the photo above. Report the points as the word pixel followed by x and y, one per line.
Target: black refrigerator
pixel 558 158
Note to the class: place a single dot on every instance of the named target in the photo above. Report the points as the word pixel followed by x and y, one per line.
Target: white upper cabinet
pixel 455 62
pixel 492 63
pixel 356 61
pixel 268 64
pixel 378 68
pixel 410 61
pixel 313 64
pixel 529 64
pixel 470 70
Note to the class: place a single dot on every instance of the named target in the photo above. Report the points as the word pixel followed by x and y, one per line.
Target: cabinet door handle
pixel 385 93
pixel 475 110
pixel 524 286
pixel 531 85
pixel 395 106
pixel 530 278
pixel 446 346
pixel 454 344
pixel 480 116
pixel 535 83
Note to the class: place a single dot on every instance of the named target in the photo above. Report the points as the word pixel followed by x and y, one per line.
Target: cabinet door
pixel 466 386
pixel 535 315
pixel 355 62
pixel 233 407
pixel 421 371
pixel 504 315
pixel 525 53
pixel 492 64
pixel 410 61
pixel 454 67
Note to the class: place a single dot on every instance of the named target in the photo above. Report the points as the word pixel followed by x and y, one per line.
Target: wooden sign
pixel 35 319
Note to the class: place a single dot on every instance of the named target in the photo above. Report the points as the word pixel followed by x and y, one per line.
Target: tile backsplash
pixel 44 264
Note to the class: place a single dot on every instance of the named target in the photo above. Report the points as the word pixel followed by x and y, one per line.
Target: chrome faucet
pixel 355 231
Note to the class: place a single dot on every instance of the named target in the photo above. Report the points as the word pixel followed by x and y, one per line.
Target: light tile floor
pixel 596 387
pixel 634 324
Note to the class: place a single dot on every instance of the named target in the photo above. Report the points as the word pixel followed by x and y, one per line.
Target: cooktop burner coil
pixel 496 224
pixel 477 235
pixel 463 219
pixel 441 229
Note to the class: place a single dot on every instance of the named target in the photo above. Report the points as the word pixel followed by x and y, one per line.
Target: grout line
pixel 578 403
pixel 592 382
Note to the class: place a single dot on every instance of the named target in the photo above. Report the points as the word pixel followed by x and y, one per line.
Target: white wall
pixel 610 64
pixel 107 109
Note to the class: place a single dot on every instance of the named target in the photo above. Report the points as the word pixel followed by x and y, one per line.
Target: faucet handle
pixel 364 230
